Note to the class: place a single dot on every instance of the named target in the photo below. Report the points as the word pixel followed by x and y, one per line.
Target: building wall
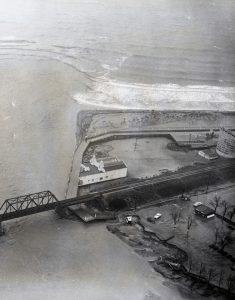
pixel 226 144
pixel 99 177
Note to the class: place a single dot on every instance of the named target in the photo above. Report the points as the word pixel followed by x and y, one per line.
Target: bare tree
pixel 225 206
pixel 231 213
pixel 202 270
pixel 189 224
pixel 216 232
pixel 190 265
pixel 215 202
pixel 179 213
pixel 220 278
pixel 230 282
pixel 225 239
pixel 175 214
pixel 211 275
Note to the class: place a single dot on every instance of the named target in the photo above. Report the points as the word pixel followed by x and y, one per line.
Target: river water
pixel 56 55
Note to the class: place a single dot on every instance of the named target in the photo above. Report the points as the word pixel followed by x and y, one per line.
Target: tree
pixel 220 278
pixel 216 232
pixel 175 214
pixel 211 275
pixel 189 224
pixel 230 282
pixel 231 213
pixel 202 270
pixel 190 265
pixel 225 239
pixel 215 203
pixel 225 206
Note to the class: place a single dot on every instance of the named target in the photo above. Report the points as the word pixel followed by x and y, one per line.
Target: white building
pixel 208 154
pixel 101 170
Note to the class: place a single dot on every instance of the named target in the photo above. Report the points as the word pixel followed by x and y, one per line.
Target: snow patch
pixel 114 94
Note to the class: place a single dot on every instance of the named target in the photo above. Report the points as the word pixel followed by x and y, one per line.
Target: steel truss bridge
pixel 27 205
pixel 35 203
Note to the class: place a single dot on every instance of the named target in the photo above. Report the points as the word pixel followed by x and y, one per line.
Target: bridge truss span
pixel 27 205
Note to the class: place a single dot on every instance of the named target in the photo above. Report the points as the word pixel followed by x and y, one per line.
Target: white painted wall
pixel 109 175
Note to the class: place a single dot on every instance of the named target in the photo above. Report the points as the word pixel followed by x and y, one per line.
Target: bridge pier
pixel 61 211
pixel 2 231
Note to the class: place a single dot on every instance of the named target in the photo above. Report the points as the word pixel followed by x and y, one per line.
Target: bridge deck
pixel 43 201
pixel 35 203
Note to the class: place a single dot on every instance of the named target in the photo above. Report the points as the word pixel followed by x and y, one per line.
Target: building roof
pixel 205 210
pixel 209 152
pixel 110 164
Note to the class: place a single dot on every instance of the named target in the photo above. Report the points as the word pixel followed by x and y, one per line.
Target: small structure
pixel 157 216
pixel 208 154
pixel 129 220
pixel 88 214
pixel 204 211
pixel 101 170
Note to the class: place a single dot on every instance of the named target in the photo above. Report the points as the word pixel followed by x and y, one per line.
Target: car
pixel 129 219
pixel 197 204
pixel 157 216
pixel 184 198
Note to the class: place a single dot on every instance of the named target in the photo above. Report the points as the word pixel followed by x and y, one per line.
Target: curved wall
pixel 226 144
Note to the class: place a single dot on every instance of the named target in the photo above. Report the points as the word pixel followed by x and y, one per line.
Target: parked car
pixel 197 204
pixel 184 198
pixel 129 220
pixel 157 216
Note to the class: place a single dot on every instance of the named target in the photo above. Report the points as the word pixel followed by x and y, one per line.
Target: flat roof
pixel 210 152
pixel 109 165
pixel 205 210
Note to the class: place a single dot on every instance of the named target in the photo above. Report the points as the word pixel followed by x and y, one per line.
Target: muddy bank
pixel 166 258
pixel 149 245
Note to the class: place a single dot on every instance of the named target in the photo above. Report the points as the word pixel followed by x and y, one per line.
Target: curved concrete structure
pixel 226 144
